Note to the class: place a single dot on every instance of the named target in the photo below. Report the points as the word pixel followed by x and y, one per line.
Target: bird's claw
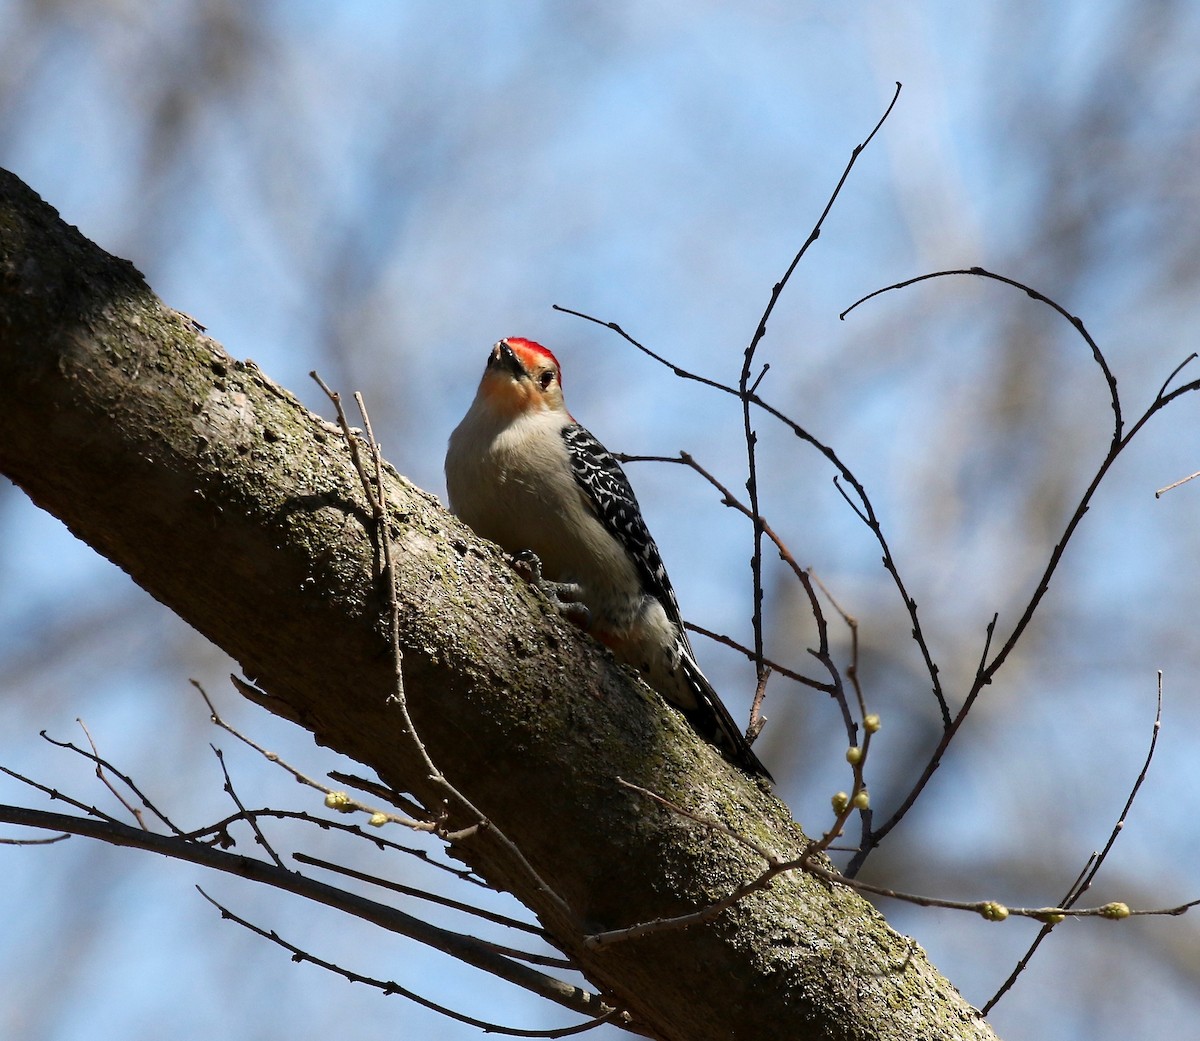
pixel 565 596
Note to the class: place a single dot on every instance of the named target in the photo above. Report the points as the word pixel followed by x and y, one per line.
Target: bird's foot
pixel 567 597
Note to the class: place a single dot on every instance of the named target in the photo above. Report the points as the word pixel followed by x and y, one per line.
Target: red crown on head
pixel 524 346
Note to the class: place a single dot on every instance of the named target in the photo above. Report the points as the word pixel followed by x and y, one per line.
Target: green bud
pixel 993 911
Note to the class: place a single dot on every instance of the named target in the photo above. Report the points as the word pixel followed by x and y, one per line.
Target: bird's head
pixel 522 376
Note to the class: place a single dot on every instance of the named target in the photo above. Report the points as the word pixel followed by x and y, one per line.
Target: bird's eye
pixel 546 379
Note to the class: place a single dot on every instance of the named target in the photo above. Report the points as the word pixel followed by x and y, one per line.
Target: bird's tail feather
pixel 712 721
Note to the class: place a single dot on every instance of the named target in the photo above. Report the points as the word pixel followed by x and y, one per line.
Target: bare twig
pixel 771 663
pixel 334 799
pixel 33 842
pixel 988 669
pixel 420 894
pixel 785 554
pixel 1175 484
pixel 103 765
pixel 1085 878
pixel 1077 322
pixel 299 955
pixel 389 575
pixel 747 391
pixel 249 818
pixel 464 948
pixel 994 911
pixel 134 811
pixel 757 719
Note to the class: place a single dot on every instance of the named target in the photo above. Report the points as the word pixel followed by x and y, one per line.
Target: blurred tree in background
pixel 380 191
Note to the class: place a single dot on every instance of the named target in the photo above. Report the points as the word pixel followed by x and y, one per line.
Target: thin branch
pixel 56 795
pixel 810 861
pixel 466 949
pixel 300 956
pixel 420 894
pixel 33 842
pixel 1175 484
pixel 333 798
pixel 348 433
pixel 1077 322
pixel 1084 881
pixel 219 833
pixel 986 673
pixel 250 819
pixel 994 911
pixel 134 812
pixel 757 719
pixel 774 666
pixel 747 391
pixel 103 764
pixel 778 288
pixel 389 575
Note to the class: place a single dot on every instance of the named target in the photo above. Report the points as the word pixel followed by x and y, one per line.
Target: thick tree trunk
pixel 241 512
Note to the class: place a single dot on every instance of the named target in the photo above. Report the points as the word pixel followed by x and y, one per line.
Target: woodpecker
pixel 522 472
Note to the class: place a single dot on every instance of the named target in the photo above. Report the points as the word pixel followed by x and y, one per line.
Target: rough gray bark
pixel 240 511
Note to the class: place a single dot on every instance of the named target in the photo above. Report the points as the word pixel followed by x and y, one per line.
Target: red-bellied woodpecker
pixel 521 472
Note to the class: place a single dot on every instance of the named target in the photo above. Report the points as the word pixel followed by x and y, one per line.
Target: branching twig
pixel 988 669
pixel 812 862
pixel 465 948
pixel 1077 322
pixel 299 955
pixel 249 818
pixel 747 390
pixel 334 799
pixel 103 764
pixel 56 795
pixel 1085 878
pixel 433 898
pixel 866 511
pixel 134 812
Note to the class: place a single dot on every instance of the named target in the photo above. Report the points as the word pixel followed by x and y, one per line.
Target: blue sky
pixel 380 191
